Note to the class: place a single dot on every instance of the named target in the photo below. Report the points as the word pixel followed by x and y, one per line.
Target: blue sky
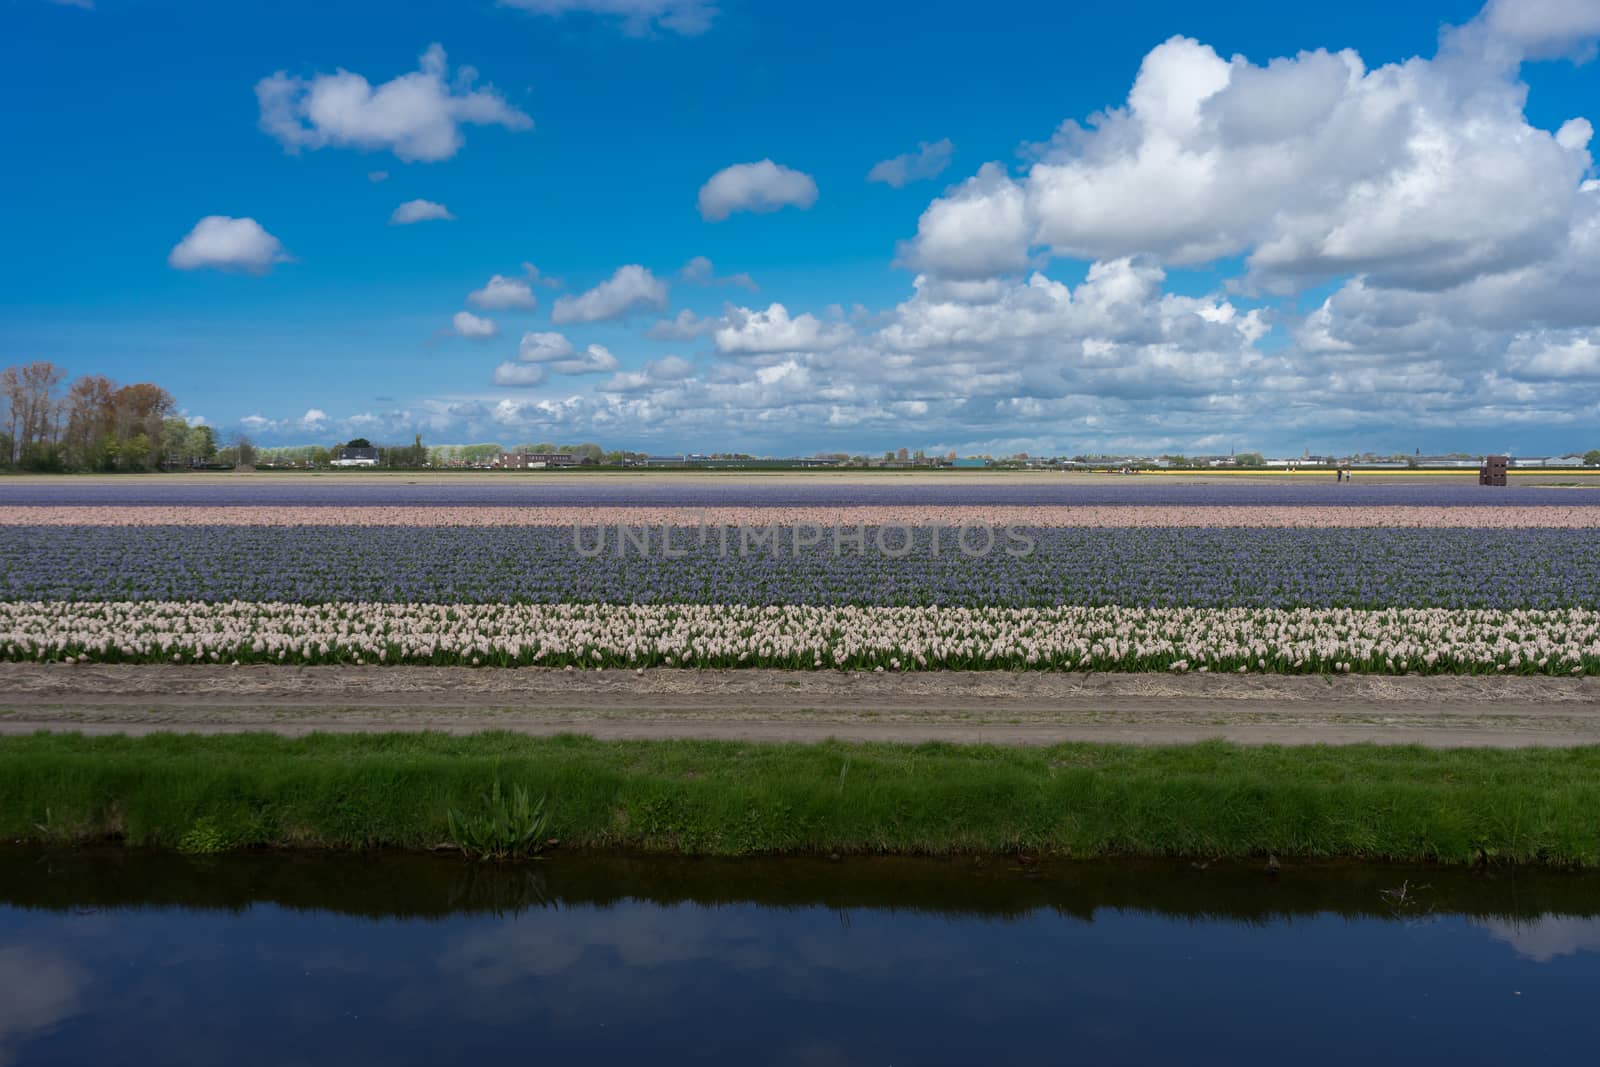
pixel 1108 313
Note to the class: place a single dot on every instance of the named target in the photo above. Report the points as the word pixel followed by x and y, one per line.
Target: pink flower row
pixel 902 515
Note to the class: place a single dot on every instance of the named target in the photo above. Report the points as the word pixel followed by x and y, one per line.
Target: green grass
pixel 211 793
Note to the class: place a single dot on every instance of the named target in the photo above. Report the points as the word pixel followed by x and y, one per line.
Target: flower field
pixel 806 637
pixel 1136 516
pixel 1359 567
pixel 683 490
pixel 1430 579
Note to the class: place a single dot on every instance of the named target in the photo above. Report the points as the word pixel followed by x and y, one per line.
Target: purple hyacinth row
pixel 1156 567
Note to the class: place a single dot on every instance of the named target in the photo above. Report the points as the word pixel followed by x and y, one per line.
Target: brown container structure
pixel 1493 471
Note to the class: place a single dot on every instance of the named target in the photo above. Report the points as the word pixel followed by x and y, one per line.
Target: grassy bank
pixel 1211 800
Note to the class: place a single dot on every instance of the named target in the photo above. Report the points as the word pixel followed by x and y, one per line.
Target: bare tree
pixel 31 405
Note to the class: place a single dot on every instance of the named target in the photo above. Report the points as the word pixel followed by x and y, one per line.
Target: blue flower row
pixel 1344 567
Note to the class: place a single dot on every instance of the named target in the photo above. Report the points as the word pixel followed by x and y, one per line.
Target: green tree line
pixel 93 424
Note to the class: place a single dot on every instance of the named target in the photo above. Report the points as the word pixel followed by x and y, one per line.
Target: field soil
pixel 954 706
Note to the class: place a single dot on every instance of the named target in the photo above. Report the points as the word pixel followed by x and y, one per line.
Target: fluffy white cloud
pixel 544 347
pixel 1057 362
pixel 500 293
pixel 1543 28
pixel 419 211
pixel 518 375
pixel 595 359
pixel 1421 174
pixel 632 288
pixel 928 161
pixel 756 187
pixel 685 327
pixel 556 354
pixel 543 354
pixel 699 271
pixel 687 17
pixel 981 228
pixel 475 327
pixel 417 116
pixel 746 332
pixel 223 243
pixel 655 373
pixel 1559 355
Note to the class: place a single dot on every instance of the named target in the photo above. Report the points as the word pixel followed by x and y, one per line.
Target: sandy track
pixel 797 706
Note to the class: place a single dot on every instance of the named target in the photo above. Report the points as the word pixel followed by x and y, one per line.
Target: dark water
pixel 579 491
pixel 121 958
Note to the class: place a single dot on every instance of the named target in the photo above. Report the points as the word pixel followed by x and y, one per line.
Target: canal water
pixel 125 957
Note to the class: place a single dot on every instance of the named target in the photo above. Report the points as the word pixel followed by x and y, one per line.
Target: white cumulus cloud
pixel 699 271
pixel 500 293
pixel 655 373
pixel 746 332
pixel 1544 28
pixel 686 326
pixel 417 116
pixel 631 288
pixel 220 242
pixel 595 359
pixel 557 354
pixel 518 375
pixel 474 327
pixel 544 353
pixel 419 211
pixel 544 347
pixel 1422 174
pixel 981 228
pixel 756 187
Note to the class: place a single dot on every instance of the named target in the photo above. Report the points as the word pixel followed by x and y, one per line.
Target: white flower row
pixel 1396 640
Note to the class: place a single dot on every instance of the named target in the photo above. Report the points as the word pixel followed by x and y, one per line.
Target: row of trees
pixel 417 454
pixel 391 457
pixel 93 424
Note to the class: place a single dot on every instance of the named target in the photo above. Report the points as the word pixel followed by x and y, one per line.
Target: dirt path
pixel 801 706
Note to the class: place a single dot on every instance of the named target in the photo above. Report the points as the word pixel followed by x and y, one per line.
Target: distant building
pixel 970 463
pixel 522 461
pixel 1550 461
pixel 345 456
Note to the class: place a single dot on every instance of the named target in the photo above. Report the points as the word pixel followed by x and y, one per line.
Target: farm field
pixel 1019 607
pixel 1040 572
pixel 793 488
pixel 1029 613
